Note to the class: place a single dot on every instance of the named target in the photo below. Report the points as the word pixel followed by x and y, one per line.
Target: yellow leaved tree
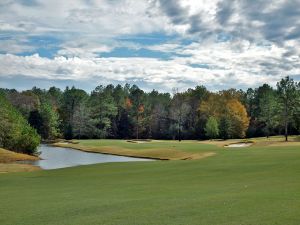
pixel 231 114
pixel 239 120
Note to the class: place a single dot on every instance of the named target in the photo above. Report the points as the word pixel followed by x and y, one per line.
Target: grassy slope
pixel 7 159
pixel 256 185
pixel 172 150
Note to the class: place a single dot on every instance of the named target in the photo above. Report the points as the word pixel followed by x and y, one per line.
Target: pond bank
pixel 9 162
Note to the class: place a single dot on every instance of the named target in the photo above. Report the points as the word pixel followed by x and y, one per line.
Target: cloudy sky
pixel 157 44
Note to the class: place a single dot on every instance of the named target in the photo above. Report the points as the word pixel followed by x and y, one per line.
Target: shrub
pixel 15 132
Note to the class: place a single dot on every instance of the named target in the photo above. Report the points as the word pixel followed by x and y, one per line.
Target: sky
pixel 156 44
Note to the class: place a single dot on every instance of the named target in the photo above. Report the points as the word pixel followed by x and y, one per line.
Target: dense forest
pixel 125 112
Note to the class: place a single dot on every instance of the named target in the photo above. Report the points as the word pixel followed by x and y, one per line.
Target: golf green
pixel 245 186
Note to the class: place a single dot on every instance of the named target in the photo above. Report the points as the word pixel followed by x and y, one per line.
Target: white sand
pixel 238 145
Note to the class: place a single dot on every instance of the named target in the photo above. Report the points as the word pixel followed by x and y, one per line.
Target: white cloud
pixel 230 44
pixel 10 27
pixel 103 18
pixel 216 65
pixel 16 46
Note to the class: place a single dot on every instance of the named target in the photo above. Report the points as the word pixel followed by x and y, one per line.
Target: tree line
pixel 126 112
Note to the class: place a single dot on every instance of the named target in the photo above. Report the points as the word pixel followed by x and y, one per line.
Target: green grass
pixel 258 185
pixel 171 150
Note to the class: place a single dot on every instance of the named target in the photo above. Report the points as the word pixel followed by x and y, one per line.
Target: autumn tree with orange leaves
pixel 230 113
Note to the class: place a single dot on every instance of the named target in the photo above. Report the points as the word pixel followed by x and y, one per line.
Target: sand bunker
pixel 238 145
pixel 141 141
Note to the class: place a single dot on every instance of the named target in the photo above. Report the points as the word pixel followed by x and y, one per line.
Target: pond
pixel 57 157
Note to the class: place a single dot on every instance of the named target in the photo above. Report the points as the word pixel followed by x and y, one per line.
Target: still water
pixel 57 157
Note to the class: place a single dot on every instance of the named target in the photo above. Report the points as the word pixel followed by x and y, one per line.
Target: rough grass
pixel 14 167
pixel 7 159
pixel 255 185
pixel 7 156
